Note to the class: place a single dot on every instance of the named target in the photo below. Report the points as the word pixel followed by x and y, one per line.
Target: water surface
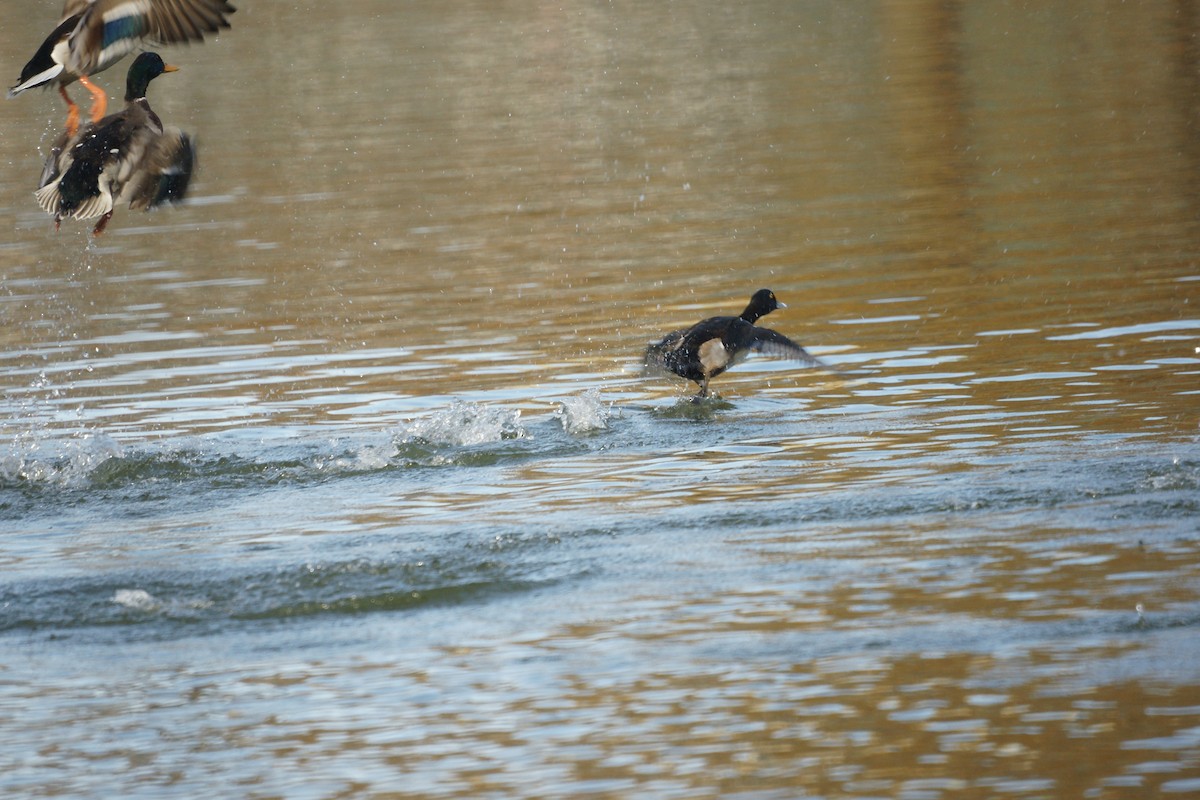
pixel 343 479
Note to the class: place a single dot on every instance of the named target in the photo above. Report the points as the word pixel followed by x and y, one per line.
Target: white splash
pixel 466 424
pixel 584 413
pixel 136 599
pixel 56 462
pixel 364 458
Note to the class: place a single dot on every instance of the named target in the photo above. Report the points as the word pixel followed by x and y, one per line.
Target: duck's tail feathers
pixel 656 356
pixel 41 79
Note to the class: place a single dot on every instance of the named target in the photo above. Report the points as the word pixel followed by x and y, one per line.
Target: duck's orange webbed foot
pixel 99 98
pixel 72 111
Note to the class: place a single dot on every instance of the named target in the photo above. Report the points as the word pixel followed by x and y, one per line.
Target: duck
pixel 711 346
pixel 95 34
pixel 127 157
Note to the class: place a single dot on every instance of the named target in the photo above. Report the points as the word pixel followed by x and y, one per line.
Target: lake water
pixel 343 479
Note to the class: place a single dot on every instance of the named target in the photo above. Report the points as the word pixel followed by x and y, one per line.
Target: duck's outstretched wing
pixel 109 29
pixel 771 343
pixel 164 173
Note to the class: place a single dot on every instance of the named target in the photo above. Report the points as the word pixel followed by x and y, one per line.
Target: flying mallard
pixel 95 34
pixel 127 157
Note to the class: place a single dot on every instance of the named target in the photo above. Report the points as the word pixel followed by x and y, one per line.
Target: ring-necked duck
pixel 711 346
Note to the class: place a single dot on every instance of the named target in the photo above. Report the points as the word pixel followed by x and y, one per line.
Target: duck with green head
pixel 127 157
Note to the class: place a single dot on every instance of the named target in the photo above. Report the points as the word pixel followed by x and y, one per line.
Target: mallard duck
pixel 95 34
pixel 127 157
pixel 711 346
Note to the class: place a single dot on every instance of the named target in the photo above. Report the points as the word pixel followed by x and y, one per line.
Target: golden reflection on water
pixel 554 190
pixel 910 725
pixel 1026 717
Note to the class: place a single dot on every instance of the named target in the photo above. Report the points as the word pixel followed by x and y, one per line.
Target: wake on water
pixel 38 459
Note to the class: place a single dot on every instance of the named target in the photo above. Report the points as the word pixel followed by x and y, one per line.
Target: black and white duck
pixel 713 345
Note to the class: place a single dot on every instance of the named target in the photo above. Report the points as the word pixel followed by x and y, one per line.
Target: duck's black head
pixel 144 69
pixel 762 302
